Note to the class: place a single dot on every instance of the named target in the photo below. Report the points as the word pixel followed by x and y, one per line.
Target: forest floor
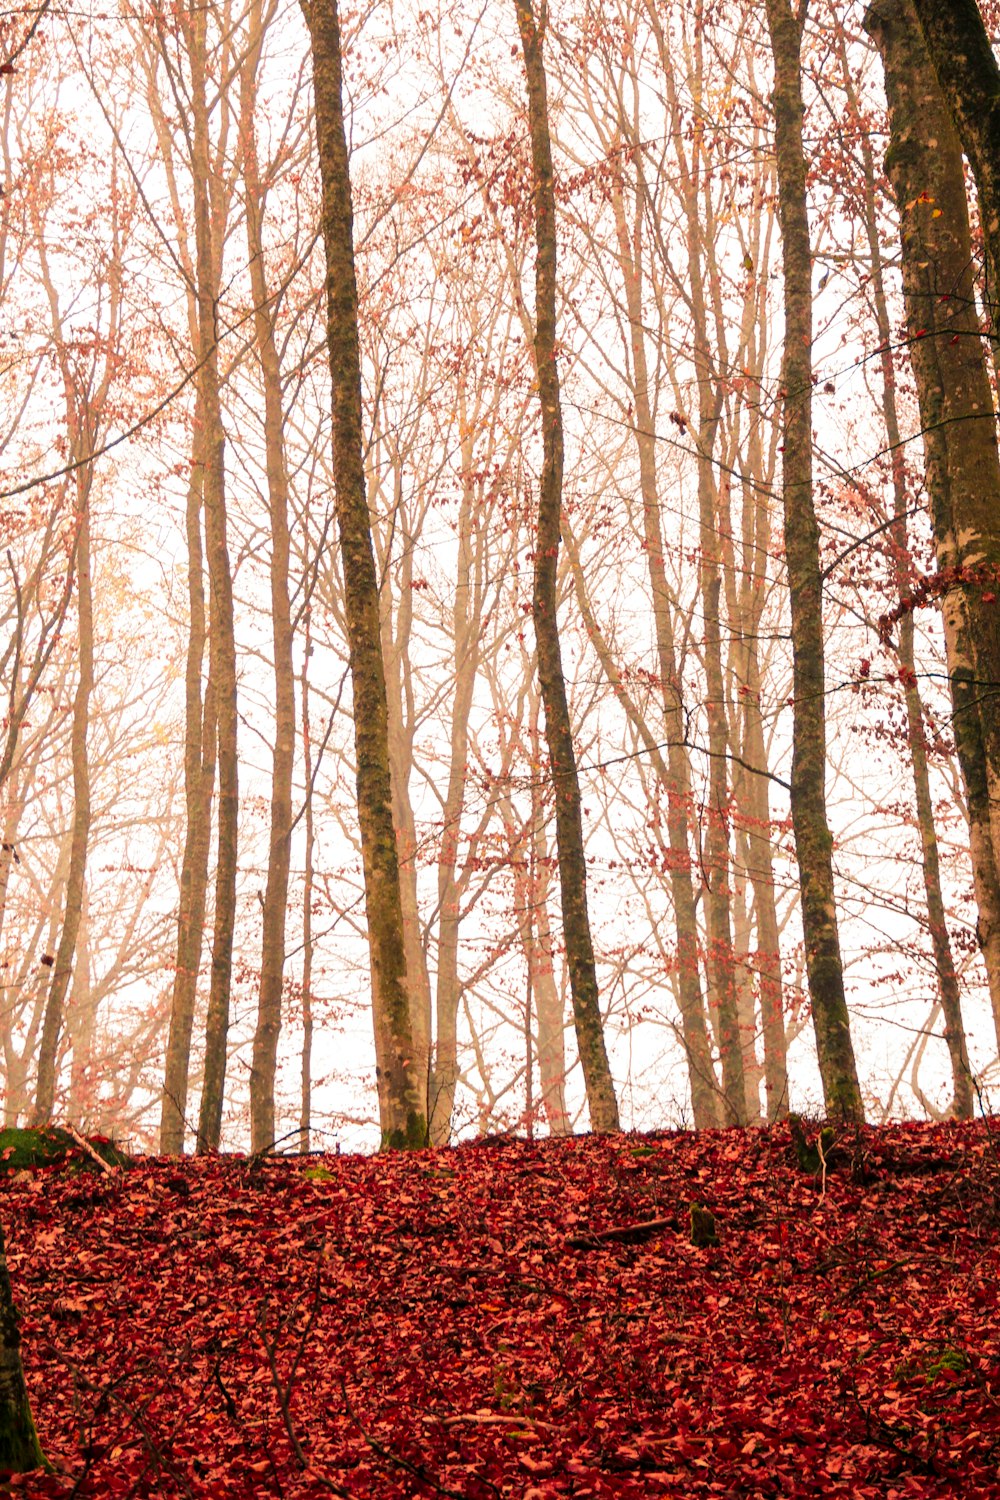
pixel 461 1323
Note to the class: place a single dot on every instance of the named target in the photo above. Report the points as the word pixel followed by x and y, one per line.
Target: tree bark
pixel 199 784
pixel 676 772
pixel 960 53
pixel 20 1450
pixel 813 840
pixel 305 1107
pixel 272 963
pixel 222 642
pixel 949 993
pixel 62 970
pixel 924 165
pixel 402 1109
pixel 962 56
pixel 466 625
pixel 558 729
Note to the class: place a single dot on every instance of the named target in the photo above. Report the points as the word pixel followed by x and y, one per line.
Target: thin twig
pixel 82 1141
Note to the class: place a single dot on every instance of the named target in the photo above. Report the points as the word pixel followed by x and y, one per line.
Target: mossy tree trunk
pixel 924 164
pixel 403 1108
pixel 20 1450
pixel 601 1099
pixel 959 52
pixel 968 75
pixel 949 991
pixel 813 840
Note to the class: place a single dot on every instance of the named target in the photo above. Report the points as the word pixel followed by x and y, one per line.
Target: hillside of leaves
pixel 494 1320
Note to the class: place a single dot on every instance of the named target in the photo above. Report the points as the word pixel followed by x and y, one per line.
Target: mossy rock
pixel 49 1146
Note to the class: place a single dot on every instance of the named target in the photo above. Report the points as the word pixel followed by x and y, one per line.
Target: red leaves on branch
pixel 984 577
pixel 506 1319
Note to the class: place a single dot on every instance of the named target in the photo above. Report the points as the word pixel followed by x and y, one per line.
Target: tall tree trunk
pixel 222 642
pixel 272 963
pixel 813 840
pixel 48 1052
pixel 924 164
pixel 83 1085
pixel 20 1450
pixel 305 1108
pixel 676 772
pixel 401 1106
pixel 551 1032
pixel 402 727
pixel 466 622
pixel 968 76
pixel 949 992
pixel 718 913
pixel 199 784
pixel 558 729
pixel 750 782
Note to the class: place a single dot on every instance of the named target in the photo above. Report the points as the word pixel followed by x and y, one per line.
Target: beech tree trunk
pixel 962 56
pixel 813 840
pixel 199 785
pixel 924 164
pixel 62 970
pixel 949 993
pixel 272 962
pixel 675 772
pixel 960 53
pixel 222 641
pixel 466 624
pixel 401 1105
pixel 558 729
pixel 305 1107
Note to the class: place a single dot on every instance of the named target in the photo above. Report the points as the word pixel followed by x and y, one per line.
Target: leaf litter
pixel 523 1319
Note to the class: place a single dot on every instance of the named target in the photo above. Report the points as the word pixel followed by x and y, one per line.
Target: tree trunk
pixel 199 784
pixel 813 840
pixel 20 1450
pixel 222 642
pixel 551 1031
pixel 924 164
pixel 558 729
pixel 959 50
pixel 466 624
pixel 968 75
pixel 402 1109
pixel 62 971
pixel 272 963
pixel 949 992
pixel 84 1086
pixel 305 1108
pixel 676 772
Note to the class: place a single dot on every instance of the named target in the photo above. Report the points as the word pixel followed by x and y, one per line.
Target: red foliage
pixel 431 1329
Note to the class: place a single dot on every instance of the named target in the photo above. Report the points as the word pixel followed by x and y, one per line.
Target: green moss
pixel 414 1138
pixel 319 1173
pixel 48 1146
pixel 20 1450
pixel 703 1230
pixel 955 1360
pixel 811 1156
